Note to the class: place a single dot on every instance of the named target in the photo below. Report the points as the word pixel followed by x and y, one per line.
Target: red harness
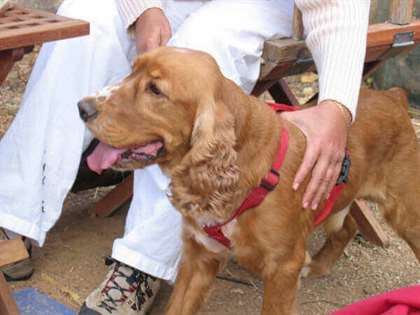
pixel 268 184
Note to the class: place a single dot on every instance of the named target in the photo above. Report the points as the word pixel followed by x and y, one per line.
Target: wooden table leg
pixel 10 252
pixel 121 194
pixel 6 63
pixel 7 303
pixel 367 223
pixel 8 59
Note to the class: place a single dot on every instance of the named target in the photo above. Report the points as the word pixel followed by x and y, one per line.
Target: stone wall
pixel 50 5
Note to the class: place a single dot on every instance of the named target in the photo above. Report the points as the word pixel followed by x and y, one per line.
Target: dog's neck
pixel 256 130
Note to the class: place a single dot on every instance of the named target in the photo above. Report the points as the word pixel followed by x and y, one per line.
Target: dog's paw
pixel 305 272
pixel 315 270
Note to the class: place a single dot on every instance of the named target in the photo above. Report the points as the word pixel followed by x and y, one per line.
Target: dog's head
pixel 170 108
pixel 151 114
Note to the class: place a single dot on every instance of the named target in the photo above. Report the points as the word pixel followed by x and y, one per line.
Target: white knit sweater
pixel 336 35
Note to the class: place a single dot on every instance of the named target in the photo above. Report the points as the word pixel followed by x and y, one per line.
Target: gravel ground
pixel 69 266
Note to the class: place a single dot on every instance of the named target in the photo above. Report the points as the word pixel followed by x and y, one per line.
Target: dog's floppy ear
pixel 213 154
pixel 210 171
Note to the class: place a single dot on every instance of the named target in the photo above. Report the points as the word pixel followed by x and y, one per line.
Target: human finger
pixel 308 162
pixel 318 181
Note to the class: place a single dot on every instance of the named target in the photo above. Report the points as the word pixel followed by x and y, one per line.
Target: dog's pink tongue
pixel 103 157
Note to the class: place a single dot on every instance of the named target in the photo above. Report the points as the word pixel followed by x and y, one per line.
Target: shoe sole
pixel 19 271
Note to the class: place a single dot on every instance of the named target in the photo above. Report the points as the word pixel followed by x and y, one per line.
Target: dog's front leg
pixel 280 293
pixel 196 274
pixel 281 281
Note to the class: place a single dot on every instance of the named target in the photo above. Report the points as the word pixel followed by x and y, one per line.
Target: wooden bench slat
pixel 12 251
pixel 383 33
pixel 380 39
pixel 22 27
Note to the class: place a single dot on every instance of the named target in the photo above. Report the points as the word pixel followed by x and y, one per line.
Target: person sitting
pixel 40 153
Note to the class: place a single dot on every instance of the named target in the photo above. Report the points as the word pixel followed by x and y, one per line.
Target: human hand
pixel 326 128
pixel 152 30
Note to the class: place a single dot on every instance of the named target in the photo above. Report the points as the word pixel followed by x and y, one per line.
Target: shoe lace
pixel 142 294
pixel 134 281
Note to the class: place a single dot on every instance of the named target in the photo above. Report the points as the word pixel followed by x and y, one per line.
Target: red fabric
pixel 335 193
pixel 283 107
pixel 404 301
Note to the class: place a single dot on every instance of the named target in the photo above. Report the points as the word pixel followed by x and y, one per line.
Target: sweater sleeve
pixel 336 36
pixel 130 10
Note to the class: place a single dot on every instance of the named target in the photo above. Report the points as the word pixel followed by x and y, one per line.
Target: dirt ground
pixel 71 263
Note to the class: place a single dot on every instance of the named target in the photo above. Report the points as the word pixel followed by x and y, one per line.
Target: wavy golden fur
pixel 219 143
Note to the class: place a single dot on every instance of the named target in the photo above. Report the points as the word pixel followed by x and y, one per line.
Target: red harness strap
pixel 257 195
pixel 268 184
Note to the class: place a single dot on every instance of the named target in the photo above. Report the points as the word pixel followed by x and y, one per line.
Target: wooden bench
pixel 286 57
pixel 20 30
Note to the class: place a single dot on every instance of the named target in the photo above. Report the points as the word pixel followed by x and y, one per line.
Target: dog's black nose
pixel 87 110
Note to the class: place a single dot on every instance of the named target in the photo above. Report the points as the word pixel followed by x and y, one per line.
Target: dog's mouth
pixel 104 156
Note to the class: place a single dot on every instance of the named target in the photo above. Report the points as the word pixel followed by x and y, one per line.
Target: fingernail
pixel 305 205
pixel 314 206
pixel 295 186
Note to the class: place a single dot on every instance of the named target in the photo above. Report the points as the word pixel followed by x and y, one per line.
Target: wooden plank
pixel 289 93
pixel 12 251
pixel 278 71
pixel 375 53
pixel 383 33
pixel 367 223
pixel 297 24
pixel 7 303
pixel 379 35
pixel 26 27
pixel 283 50
pixel 286 51
pixel 117 197
pixel 401 11
pixel 274 70
pixel 263 86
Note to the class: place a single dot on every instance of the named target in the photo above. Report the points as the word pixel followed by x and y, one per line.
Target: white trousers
pixel 40 153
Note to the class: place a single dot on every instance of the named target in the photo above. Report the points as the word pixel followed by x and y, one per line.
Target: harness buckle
pixel 270 181
pixel 345 170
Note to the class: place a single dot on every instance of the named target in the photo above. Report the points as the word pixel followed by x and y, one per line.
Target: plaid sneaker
pixel 21 270
pixel 125 291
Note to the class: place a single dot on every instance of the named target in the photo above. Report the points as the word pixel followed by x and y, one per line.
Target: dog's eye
pixel 154 89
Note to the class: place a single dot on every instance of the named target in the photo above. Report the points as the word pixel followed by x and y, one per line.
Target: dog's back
pixel 386 160
pixel 382 140
pixel 385 169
